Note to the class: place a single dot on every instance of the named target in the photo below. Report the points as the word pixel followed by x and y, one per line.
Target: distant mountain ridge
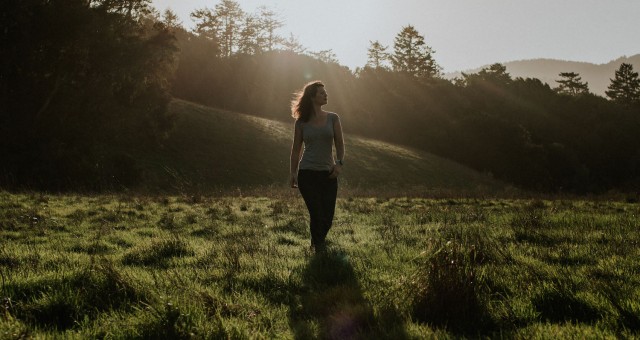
pixel 547 70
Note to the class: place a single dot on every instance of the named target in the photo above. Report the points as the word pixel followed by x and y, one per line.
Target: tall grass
pixel 240 267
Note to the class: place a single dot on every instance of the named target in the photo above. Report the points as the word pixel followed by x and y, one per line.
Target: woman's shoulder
pixel 333 115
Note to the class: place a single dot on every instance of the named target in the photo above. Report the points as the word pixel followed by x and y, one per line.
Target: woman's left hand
pixel 335 171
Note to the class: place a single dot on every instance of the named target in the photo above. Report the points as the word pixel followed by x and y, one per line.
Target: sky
pixel 465 34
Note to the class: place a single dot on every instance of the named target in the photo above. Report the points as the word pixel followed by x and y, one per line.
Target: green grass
pixel 239 267
pixel 211 150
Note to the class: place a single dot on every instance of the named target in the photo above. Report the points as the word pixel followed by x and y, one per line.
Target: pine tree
pixel 377 55
pixel 571 84
pixel 412 56
pixel 326 56
pixel 231 16
pixel 625 87
pixel 292 44
pixel 495 74
pixel 250 40
pixel 269 22
pixel 128 8
pixel 223 24
pixel 208 26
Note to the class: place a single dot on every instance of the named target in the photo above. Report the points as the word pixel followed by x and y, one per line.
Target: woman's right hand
pixel 293 181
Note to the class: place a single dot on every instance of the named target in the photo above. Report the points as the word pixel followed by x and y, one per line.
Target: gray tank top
pixel 318 145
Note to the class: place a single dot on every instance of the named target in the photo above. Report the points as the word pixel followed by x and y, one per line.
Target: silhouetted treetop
pixel 496 74
pixel 412 56
pixel 625 86
pixel 239 32
pixel 570 83
pixel 377 55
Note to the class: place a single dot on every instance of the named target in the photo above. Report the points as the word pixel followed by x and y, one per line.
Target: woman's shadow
pixel 330 304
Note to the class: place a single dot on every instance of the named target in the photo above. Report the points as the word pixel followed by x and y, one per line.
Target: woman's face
pixel 321 97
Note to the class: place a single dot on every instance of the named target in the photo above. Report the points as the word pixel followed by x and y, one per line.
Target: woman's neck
pixel 317 110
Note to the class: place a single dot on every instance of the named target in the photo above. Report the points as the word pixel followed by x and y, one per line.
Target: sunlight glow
pixel 464 33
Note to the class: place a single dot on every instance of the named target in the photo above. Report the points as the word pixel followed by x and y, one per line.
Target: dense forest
pixel 84 81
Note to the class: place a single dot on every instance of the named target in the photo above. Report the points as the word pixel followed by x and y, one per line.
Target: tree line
pixel 90 80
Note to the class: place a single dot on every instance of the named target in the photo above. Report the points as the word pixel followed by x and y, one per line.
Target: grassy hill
pixel 211 149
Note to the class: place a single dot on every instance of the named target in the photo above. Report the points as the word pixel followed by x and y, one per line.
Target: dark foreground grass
pixel 240 267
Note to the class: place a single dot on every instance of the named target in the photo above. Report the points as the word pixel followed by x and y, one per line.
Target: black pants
pixel 319 193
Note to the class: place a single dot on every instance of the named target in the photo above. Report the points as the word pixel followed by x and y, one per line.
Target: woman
pixel 314 170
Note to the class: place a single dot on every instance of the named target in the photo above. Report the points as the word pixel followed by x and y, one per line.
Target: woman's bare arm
pixel 338 139
pixel 296 152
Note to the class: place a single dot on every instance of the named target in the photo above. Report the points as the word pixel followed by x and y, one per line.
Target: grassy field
pixel 239 267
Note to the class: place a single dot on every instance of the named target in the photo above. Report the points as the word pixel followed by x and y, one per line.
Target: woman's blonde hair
pixel 302 103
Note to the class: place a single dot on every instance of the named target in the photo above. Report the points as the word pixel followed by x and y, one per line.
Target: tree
pixel 231 16
pixel 625 87
pixel 412 56
pixel 377 55
pixel 292 44
pixel 495 74
pixel 268 23
pixel 250 40
pixel 223 23
pixel 326 56
pixel 571 84
pixel 208 25
pixel 128 8
pixel 171 20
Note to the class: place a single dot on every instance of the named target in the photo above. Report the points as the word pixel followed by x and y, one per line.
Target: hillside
pixel 597 75
pixel 213 149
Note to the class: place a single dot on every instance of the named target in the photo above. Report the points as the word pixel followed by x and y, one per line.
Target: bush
pixel 449 287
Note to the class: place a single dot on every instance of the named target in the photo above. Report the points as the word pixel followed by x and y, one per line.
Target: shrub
pixel 449 289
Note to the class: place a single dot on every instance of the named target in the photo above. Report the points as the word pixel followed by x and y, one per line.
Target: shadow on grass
pixel 63 303
pixel 331 305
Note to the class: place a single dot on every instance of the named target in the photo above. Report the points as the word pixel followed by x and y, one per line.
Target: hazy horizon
pixel 465 34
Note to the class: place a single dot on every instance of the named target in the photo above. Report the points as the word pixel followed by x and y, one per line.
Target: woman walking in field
pixel 313 170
